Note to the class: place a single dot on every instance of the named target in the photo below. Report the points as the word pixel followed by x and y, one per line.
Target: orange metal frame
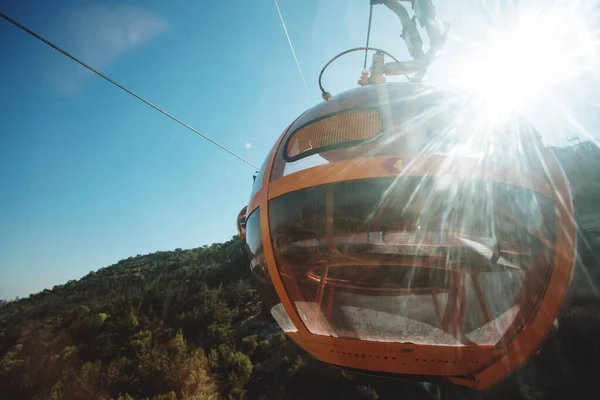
pixel 475 366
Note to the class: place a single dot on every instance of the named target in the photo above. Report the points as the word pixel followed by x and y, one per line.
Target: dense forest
pixel 189 324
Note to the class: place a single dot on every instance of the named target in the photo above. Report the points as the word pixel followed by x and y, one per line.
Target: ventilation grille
pixel 340 129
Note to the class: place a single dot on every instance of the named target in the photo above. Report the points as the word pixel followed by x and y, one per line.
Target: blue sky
pixel 89 175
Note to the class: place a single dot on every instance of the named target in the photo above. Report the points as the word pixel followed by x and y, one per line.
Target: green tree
pixel 165 396
pixel 177 347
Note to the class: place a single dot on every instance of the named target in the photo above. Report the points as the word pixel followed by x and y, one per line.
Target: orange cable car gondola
pixel 394 229
pixel 241 223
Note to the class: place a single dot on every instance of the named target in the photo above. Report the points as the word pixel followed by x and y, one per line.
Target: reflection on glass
pixel 258 264
pixel 259 178
pixel 282 318
pixel 413 259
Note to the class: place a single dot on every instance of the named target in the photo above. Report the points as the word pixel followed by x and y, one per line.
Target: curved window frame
pixel 335 146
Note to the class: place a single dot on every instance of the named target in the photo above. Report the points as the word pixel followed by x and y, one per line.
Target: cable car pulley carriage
pixel 393 228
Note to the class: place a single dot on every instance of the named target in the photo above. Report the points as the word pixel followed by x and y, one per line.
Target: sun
pixel 514 67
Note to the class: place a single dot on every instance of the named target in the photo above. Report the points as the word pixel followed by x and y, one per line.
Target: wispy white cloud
pixel 99 35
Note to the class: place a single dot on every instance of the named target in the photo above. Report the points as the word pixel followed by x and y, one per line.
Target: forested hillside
pixel 581 163
pixel 185 324
pixel 188 324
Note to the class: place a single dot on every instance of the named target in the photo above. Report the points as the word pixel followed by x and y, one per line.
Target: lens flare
pixel 542 49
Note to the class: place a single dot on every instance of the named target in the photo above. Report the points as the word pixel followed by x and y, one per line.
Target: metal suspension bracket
pixel 377 71
pixel 426 15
